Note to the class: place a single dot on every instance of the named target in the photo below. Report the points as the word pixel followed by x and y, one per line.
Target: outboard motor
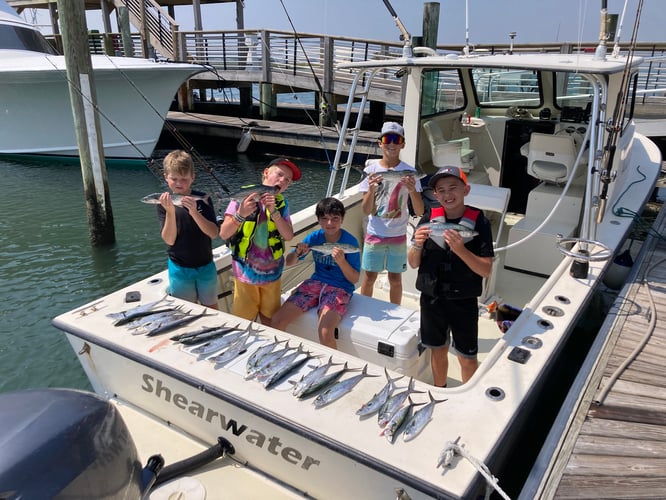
pixel 62 442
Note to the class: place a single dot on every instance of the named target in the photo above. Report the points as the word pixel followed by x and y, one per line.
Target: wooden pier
pixel 269 131
pixel 614 440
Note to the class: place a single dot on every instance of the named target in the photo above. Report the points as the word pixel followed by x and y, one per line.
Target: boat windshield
pixel 19 38
pixel 442 91
pixel 501 88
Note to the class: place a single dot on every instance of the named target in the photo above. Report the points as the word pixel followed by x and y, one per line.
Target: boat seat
pixel 551 157
pixel 445 152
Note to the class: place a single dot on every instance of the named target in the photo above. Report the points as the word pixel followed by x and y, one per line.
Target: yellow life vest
pixel 240 242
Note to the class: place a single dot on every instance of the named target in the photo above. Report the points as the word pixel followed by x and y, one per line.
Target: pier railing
pixel 308 61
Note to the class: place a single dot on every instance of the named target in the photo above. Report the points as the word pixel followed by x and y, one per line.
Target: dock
pixel 612 440
pixel 269 131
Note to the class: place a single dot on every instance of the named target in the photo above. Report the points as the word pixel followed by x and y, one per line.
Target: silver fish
pixel 267 359
pixel 327 248
pixel 142 325
pixel 339 389
pixel 325 381
pixel 206 335
pixel 138 310
pixel 267 371
pixel 171 324
pixel 220 343
pixel 256 189
pixel 437 228
pixel 378 400
pixel 420 418
pixel 393 403
pixel 233 351
pixel 176 199
pixel 394 426
pixel 392 174
pixel 283 372
pixel 311 377
pixel 260 352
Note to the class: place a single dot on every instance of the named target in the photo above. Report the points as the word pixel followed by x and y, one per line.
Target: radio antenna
pixel 407 48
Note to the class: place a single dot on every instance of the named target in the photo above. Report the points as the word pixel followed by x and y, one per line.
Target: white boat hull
pixel 133 97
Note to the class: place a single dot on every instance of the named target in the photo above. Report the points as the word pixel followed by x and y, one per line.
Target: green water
pixel 48 266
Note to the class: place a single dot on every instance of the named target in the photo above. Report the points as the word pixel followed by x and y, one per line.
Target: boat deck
pixel 615 442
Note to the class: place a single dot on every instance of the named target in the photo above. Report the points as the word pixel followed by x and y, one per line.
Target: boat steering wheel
pixel 603 252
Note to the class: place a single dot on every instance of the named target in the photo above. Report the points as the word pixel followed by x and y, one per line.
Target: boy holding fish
pixel 386 189
pixel 255 227
pixel 450 273
pixel 188 229
pixel 337 269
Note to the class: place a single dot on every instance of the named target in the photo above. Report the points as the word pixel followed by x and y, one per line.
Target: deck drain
pixel 495 393
pixel 155 281
pixel 553 311
pixel 562 299
pixel 545 324
pixel 531 342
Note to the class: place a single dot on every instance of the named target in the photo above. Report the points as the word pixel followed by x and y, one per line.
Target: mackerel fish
pixel 394 426
pixel 339 389
pixel 168 325
pixel 233 351
pixel 378 400
pixel 220 343
pixel 420 418
pixel 205 335
pixel 324 381
pixel 392 404
pixel 138 310
pixel 176 199
pixel 140 324
pixel 437 228
pixel 311 377
pixel 286 369
pixel 267 359
pixel 256 189
pixel 268 370
pixel 327 248
pixel 260 352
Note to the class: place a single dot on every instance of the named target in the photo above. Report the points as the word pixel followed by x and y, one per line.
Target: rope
pixel 452 448
pixel 639 348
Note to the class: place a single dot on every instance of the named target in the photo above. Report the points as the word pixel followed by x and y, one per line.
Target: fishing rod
pixel 614 127
pixel 407 48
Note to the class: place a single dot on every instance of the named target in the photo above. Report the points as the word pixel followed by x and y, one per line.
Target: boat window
pixel 501 88
pixel 572 90
pixel 17 38
pixel 442 92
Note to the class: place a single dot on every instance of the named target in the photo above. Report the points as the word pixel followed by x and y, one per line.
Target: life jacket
pixel 240 242
pixel 442 273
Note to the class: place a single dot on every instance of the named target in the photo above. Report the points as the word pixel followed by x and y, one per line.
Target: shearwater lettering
pixel 272 444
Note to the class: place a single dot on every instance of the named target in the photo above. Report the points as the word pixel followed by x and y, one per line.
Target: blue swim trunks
pixel 193 283
pixel 384 253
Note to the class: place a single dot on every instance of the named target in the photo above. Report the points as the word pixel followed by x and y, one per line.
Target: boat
pixel 133 97
pixel 553 158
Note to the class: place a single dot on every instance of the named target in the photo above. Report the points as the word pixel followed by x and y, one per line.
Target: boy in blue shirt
pixel 333 282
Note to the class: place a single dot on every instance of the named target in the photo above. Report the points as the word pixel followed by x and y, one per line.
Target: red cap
pixel 295 171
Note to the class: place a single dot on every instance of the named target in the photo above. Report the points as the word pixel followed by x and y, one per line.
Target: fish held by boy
pixel 439 226
pixel 176 199
pixel 257 189
pixel 327 248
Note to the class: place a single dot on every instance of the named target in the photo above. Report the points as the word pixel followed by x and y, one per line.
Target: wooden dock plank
pixel 617 449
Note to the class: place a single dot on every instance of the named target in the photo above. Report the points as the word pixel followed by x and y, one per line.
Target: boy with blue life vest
pixel 331 286
pixel 255 229
pixel 188 230
pixel 451 278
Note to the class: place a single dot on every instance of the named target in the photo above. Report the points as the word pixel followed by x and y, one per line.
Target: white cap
pixel 393 128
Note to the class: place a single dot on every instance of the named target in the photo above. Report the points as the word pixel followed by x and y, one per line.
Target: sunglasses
pixel 392 139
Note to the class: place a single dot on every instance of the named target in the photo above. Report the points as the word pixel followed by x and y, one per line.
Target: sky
pixel 490 21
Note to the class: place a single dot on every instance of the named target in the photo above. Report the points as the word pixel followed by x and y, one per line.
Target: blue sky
pixel 490 21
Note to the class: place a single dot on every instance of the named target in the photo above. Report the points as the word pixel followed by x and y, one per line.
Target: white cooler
pixel 376 331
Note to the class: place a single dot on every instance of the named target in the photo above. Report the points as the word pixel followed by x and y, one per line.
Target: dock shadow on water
pixel 49 266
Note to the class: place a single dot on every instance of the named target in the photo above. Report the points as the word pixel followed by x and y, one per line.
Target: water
pixel 47 265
